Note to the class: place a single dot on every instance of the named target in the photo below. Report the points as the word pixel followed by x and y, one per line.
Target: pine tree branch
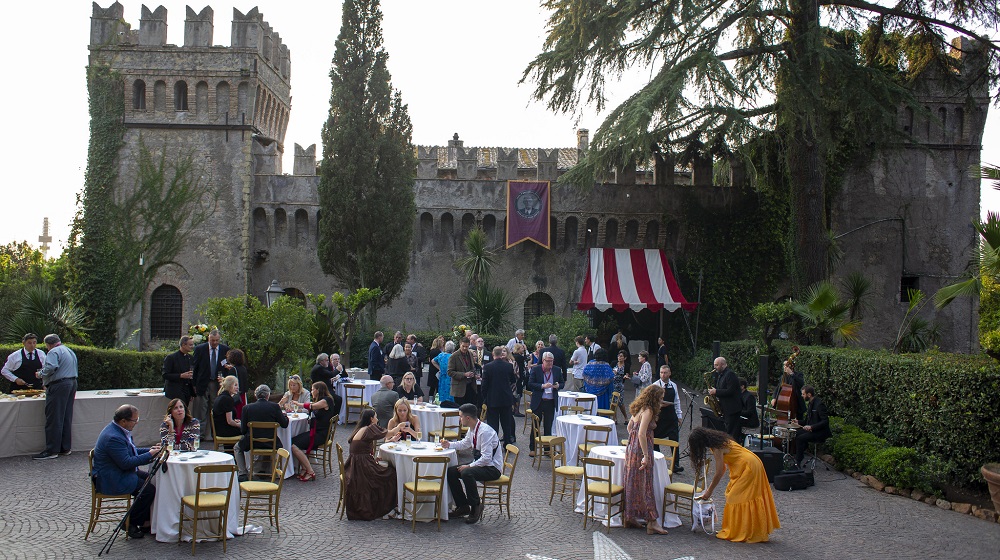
pixel 867 6
pixel 753 51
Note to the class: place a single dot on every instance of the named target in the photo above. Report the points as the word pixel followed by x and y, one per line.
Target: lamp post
pixel 274 292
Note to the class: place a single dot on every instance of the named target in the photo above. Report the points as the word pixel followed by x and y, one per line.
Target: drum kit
pixel 783 431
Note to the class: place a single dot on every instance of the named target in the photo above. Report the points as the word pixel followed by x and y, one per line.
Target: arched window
pixel 160 96
pixel 446 239
pixel 538 304
pixel 490 227
pixel 590 240
pixel 165 311
pixel 280 227
pixel 180 96
pixel 261 233
pixel 201 98
pixel 611 233
pixel 652 234
pixel 571 227
pixel 222 98
pixel 296 294
pixel 139 95
pixel 301 228
pixel 242 98
pixel 426 231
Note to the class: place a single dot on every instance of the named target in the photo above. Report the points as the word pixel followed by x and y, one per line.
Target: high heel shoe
pixel 307 477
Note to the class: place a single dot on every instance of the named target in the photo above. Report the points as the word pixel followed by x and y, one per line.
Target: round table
pixel 180 480
pixel 430 418
pixel 370 387
pixel 573 428
pixel 298 422
pixel 401 457
pixel 661 478
pixel 568 398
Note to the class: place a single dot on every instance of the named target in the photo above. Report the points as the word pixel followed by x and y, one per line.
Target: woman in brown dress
pixel 370 487
pixel 638 472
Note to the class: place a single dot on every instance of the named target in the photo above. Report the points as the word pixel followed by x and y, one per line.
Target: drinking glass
pixel 197 443
pixel 170 445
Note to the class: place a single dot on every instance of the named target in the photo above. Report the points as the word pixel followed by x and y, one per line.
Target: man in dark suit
pixel 558 354
pixel 261 410
pixel 178 373
pixel 116 466
pixel 544 382
pixel 208 372
pixel 376 358
pixel 498 395
pixel 817 426
pixel 727 389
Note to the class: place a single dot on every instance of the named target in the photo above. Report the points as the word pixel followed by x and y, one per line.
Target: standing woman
pixel 444 381
pixel 661 353
pixel 638 475
pixel 597 378
pixel 644 376
pixel 750 515
pixel 536 356
pixel 179 427
pixel 520 370
pixel 236 364
pixel 320 412
pixel 432 376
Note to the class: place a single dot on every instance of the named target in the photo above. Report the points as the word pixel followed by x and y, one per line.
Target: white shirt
pixel 512 342
pixel 677 396
pixel 594 347
pixel 485 439
pixel 14 362
pixel 579 360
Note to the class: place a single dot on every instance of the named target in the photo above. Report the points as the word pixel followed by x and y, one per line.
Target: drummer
pixel 22 364
pixel 817 425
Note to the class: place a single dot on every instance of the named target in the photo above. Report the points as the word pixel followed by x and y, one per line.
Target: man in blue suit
pixel 544 382
pixel 116 466
pixel 376 358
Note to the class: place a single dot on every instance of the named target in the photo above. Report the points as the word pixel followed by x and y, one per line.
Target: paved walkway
pixel 44 508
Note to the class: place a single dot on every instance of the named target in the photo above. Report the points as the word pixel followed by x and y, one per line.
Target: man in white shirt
pixel 592 346
pixel 22 365
pixel 669 420
pixel 518 339
pixel 577 361
pixel 487 464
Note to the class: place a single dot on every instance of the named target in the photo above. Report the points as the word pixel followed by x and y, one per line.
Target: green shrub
pixel 103 368
pixel 856 449
pixel 897 466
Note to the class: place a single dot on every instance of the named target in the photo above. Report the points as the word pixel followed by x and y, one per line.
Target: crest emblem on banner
pixel 528 212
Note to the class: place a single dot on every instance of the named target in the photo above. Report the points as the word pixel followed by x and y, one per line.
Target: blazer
pixel 203 367
pixel 817 419
pixel 261 411
pixel 384 403
pixel 458 364
pixel 115 461
pixel 727 388
pixel 173 386
pixel 498 377
pixel 376 360
pixel 535 381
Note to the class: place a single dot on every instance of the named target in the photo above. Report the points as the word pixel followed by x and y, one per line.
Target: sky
pixel 457 63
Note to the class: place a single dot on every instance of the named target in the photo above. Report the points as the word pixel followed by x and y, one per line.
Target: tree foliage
pixel 724 72
pixel 338 320
pixel 366 184
pixel 41 310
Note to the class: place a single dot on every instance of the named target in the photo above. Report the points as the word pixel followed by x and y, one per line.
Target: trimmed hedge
pixel 102 368
pixel 901 467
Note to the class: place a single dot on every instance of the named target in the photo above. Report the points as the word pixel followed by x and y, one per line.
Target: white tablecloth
pixel 572 428
pixel 370 387
pixel 661 477
pixel 401 458
pixel 22 421
pixel 180 480
pixel 568 398
pixel 297 423
pixel 430 419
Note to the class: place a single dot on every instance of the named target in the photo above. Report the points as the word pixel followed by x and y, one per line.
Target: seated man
pixel 748 414
pixel 384 400
pixel 116 466
pixel 817 426
pixel 487 464
pixel 261 410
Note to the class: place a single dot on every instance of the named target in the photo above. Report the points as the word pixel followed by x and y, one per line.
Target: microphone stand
pixel 690 411
pixel 159 462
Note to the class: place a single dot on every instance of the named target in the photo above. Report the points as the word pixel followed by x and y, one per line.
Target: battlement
pixel 250 32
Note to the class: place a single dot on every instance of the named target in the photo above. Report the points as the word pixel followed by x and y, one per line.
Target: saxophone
pixel 712 401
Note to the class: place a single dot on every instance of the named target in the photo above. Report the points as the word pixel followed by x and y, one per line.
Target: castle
pixel 905 218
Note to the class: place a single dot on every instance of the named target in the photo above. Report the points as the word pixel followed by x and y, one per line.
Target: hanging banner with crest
pixel 528 212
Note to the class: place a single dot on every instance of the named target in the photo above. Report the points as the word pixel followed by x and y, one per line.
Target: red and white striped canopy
pixel 633 279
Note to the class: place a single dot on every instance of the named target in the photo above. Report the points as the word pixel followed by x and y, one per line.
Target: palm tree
pixel 825 316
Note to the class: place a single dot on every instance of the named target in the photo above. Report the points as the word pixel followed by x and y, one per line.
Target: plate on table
pixel 133 392
pixel 419 446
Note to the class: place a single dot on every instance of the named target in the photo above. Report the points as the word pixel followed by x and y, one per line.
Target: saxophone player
pixel 727 390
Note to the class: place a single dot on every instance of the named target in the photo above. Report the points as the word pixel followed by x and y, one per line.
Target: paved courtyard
pixel 44 508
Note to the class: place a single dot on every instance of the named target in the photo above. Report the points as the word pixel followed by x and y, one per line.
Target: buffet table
pixel 23 420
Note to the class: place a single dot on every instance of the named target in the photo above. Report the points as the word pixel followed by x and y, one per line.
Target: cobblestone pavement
pixel 44 508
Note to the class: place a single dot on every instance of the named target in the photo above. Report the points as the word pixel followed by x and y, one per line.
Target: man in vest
pixel 22 365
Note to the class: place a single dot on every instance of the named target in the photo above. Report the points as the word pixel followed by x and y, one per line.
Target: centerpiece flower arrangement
pixel 200 332
pixel 458 331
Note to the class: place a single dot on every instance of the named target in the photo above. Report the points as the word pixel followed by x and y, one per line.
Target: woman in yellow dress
pixel 750 515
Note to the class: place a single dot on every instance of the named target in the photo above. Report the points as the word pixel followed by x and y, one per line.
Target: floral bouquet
pixel 200 332
pixel 459 331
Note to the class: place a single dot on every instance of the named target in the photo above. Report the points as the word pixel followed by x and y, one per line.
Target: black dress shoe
pixel 518 415
pixel 135 532
pixel 678 470
pixel 459 512
pixel 476 515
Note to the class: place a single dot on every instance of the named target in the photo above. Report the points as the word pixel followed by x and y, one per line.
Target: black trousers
pixel 546 413
pixel 463 483
pixel 803 439
pixel 497 416
pixel 468 398
pixel 143 501
pixel 733 427
pixel 59 397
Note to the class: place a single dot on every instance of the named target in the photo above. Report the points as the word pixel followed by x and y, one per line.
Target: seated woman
pixel 236 364
pixel 295 395
pixel 179 427
pixel 320 412
pixel 404 417
pixel 409 390
pixel 224 410
pixel 750 515
pixel 369 487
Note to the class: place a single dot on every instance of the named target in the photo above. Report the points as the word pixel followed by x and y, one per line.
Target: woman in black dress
pixel 227 424
pixel 320 413
pixel 432 380
pixel 409 389
pixel 236 364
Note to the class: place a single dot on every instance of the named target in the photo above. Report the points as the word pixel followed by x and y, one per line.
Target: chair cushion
pixel 423 486
pixel 256 487
pixel 681 488
pixel 355 402
pixel 206 501
pixel 545 439
pixel 586 447
pixel 603 411
pixel 602 488
pixel 504 479
pixel 450 434
pixel 570 471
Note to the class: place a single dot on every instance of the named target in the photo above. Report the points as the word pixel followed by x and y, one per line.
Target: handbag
pixel 703 512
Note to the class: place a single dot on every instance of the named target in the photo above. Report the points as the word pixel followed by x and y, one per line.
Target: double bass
pixel 789 395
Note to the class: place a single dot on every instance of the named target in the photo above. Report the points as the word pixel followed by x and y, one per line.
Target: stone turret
pixel 199 27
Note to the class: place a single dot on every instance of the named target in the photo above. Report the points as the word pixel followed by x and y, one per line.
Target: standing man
pixel 487 464
pixel 22 365
pixel 578 361
pixel 668 423
pixel 59 377
pixel 376 357
pixel 518 339
pixel 421 353
pixel 817 426
pixel 544 382
pixel 498 380
pixel 208 367
pixel 619 343
pixel 592 346
pixel 462 371
pixel 178 372
pixel 557 353
pixel 727 388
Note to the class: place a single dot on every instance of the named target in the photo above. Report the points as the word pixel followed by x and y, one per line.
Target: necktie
pixel 215 362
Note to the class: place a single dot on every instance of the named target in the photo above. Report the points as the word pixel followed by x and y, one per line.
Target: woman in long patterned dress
pixel 597 377
pixel 638 474
pixel 750 515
